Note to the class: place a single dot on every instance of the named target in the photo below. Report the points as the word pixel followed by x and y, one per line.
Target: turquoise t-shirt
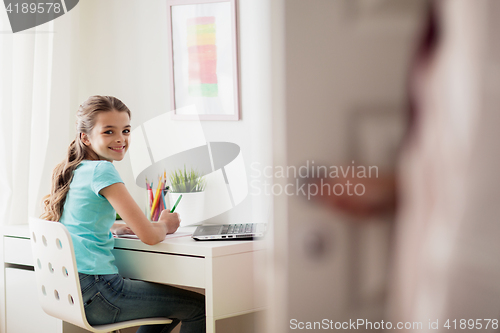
pixel 88 216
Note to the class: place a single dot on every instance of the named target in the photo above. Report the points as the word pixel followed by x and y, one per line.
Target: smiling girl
pixel 86 194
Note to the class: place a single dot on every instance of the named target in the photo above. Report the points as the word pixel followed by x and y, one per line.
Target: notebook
pixel 230 231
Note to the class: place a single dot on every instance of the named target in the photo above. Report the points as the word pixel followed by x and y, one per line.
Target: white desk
pixel 224 269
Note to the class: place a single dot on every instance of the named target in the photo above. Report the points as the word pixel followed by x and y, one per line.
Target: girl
pixel 86 191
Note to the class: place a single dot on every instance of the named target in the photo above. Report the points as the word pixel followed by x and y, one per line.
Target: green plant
pixel 185 181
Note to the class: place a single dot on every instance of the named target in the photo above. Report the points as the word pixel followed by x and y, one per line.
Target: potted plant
pixel 190 184
pixel 184 181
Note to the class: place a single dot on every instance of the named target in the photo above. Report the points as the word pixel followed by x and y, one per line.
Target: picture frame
pixel 203 48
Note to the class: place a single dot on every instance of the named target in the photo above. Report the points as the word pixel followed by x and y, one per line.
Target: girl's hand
pixel 171 221
pixel 121 229
pixel 148 232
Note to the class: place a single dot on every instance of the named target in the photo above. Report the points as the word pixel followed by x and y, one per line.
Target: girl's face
pixel 109 138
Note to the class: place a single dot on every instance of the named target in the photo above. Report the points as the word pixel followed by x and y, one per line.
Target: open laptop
pixel 230 231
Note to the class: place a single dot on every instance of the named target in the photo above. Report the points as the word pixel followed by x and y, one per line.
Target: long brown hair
pixel 62 175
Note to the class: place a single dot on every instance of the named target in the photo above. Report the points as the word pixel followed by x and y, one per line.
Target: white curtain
pixel 37 87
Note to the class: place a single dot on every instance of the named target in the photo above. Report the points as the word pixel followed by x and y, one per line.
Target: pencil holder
pixel 161 203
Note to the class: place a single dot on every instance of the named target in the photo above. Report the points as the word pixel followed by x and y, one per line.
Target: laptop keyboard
pixel 228 229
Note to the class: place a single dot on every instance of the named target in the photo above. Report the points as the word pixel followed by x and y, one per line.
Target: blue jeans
pixel 112 298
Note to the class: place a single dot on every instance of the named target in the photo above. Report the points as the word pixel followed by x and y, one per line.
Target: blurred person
pixel 446 197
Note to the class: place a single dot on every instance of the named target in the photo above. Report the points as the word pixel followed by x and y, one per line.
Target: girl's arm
pixel 149 233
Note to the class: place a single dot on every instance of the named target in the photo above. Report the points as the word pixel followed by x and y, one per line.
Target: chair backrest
pixel 56 272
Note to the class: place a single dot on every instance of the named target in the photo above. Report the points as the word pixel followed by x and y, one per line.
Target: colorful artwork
pixel 202 53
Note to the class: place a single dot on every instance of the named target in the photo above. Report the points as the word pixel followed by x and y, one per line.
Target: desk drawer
pixel 161 268
pixel 17 251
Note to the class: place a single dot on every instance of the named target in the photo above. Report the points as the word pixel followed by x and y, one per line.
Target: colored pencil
pixel 156 199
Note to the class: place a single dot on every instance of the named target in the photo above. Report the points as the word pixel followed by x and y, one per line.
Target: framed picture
pixel 204 59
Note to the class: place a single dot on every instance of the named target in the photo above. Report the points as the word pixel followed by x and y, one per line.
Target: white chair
pixel 57 279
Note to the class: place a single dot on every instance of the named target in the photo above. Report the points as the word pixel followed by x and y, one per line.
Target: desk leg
pixel 210 324
pixel 229 289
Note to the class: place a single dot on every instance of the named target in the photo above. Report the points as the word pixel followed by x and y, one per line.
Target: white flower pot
pixel 191 207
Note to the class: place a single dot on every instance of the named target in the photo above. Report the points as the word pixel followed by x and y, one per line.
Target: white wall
pixel 123 52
